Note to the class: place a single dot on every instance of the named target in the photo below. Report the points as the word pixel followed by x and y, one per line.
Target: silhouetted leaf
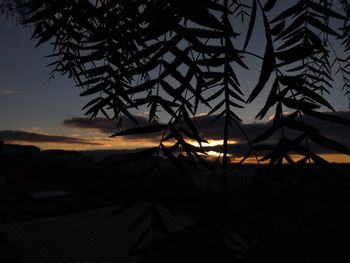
pixel 267 133
pixel 212 62
pixel 173 92
pixel 300 20
pixel 195 133
pixel 301 126
pixel 277 124
pixel 217 107
pixel 97 88
pixel 251 24
pixel 148 85
pixel 267 66
pixel 235 104
pixel 236 96
pixel 329 144
pixel 200 16
pixel 295 9
pixel 269 5
pixel 90 81
pixel 96 71
pixel 204 33
pixel 92 102
pixel 319 161
pixel 271 100
pixel 277 29
pixel 209 49
pixel 294 53
pixel 41 15
pixel 218 116
pixel 326 117
pixel 213 74
pixel 299 104
pixel 296 68
pixel 149 66
pixel 324 10
pixel 215 95
pixel 140 130
pixel 316 41
pixel 321 26
pixel 146 52
pixel 312 95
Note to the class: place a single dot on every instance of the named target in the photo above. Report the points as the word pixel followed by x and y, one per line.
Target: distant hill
pixel 19 150
pixel 62 154
pixel 101 154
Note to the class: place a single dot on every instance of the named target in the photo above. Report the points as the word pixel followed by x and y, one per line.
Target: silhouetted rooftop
pixel 86 237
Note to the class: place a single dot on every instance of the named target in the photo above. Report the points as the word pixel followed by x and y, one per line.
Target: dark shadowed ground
pixel 294 216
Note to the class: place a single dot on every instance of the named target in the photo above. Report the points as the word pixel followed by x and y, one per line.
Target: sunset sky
pixel 47 113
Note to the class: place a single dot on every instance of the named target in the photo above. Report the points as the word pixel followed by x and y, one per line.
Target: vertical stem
pixel 227 98
pixel 225 146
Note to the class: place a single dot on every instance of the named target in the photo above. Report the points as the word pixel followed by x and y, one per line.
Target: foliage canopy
pixel 161 55
pixel 175 55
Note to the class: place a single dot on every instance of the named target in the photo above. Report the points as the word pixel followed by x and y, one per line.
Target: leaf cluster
pixel 171 58
pixel 297 63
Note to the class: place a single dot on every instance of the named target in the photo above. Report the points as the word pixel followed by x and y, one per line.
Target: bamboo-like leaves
pixel 295 9
pixel 269 5
pixel 251 23
pixel 304 70
pixel 329 144
pixel 176 57
pixel 267 65
pixel 154 51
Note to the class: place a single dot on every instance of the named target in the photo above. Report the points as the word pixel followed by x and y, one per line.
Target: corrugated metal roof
pixel 89 237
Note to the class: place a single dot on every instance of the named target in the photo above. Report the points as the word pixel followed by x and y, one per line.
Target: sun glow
pixel 214 154
pixel 212 143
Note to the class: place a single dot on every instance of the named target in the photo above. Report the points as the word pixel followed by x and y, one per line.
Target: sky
pixel 48 113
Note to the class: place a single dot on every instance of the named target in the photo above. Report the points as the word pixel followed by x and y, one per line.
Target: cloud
pixel 109 127
pixel 98 124
pixel 334 131
pixel 5 92
pixel 33 137
pixel 241 149
pixel 102 125
pixel 214 131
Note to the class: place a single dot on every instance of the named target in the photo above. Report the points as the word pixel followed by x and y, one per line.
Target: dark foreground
pixel 291 216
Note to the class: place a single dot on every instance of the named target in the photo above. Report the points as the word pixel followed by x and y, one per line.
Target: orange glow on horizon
pixel 103 143
pixel 212 143
pixel 330 157
pixel 96 143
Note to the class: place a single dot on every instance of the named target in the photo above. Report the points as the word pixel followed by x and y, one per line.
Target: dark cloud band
pixel 102 124
pixel 214 131
pixel 110 127
pixel 32 137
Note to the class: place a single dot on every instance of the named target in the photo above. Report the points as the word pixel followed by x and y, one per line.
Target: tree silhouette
pixel 172 57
